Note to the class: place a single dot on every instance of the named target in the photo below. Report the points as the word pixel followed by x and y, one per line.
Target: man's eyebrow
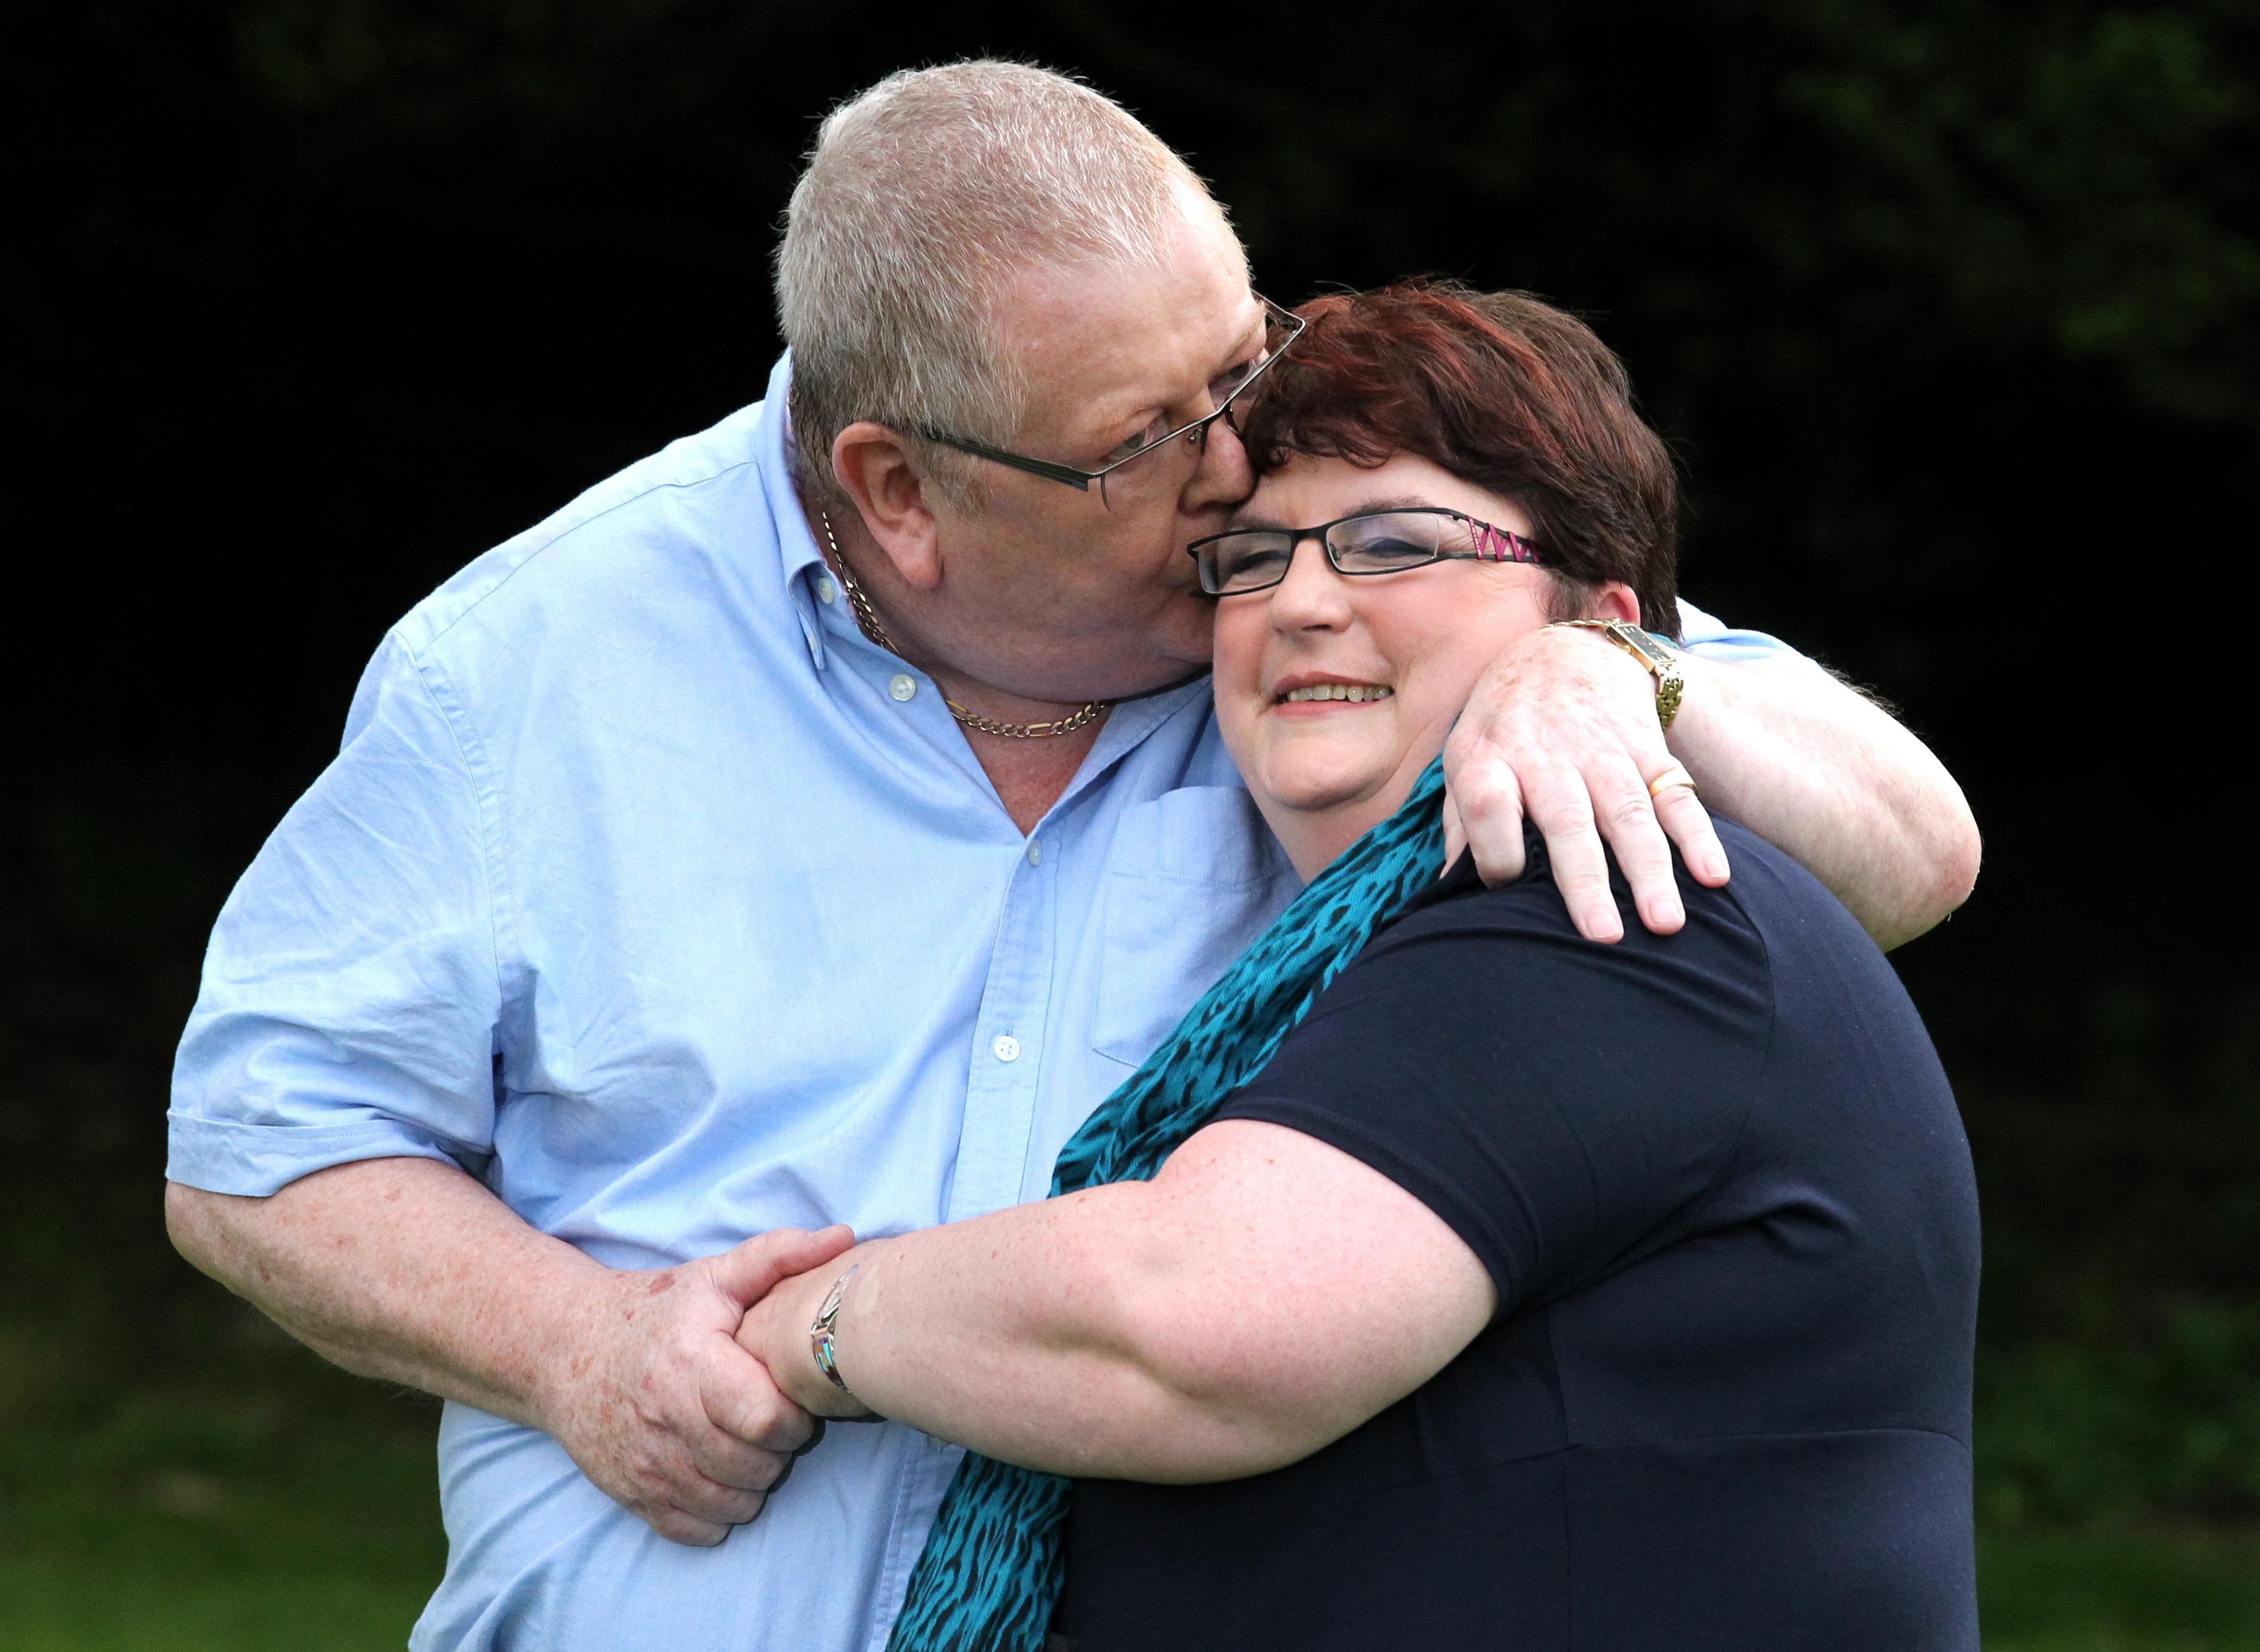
pixel 1252 337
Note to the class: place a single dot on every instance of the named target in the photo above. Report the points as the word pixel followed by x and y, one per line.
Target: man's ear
pixel 873 464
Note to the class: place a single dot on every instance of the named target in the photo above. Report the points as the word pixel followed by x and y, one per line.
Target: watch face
pixel 1650 649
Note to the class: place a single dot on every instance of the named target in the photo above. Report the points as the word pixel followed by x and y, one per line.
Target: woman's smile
pixel 1315 693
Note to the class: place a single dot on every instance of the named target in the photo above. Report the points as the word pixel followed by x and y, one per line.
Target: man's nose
pixel 1222 476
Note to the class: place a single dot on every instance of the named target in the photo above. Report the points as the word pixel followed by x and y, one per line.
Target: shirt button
pixel 1006 1047
pixel 1036 852
pixel 826 592
pixel 903 685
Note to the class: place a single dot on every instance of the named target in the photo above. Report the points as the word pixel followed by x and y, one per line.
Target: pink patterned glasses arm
pixel 1496 545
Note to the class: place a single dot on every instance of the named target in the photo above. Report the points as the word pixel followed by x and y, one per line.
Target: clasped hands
pixel 659 1404
pixel 691 1391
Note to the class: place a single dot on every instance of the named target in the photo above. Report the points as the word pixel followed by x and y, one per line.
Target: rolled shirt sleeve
pixel 351 993
pixel 1708 637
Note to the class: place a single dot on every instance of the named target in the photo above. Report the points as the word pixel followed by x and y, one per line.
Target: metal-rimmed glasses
pixel 1281 329
pixel 1370 542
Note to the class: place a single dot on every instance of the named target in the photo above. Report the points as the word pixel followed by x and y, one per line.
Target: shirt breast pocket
pixel 1195 876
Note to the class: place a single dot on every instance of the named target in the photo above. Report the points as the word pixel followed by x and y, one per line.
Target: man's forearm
pixel 400 1268
pixel 1822 773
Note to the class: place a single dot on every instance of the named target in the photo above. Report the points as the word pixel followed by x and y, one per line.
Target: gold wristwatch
pixel 1663 664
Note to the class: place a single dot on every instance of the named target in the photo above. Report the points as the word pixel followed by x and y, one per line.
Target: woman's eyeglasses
pixel 1371 542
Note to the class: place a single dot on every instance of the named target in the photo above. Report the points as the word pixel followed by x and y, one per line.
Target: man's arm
pixel 1562 730
pixel 410 1270
pixel 339 1067
pixel 1818 768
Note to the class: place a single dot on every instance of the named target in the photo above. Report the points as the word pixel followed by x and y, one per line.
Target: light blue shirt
pixel 646 889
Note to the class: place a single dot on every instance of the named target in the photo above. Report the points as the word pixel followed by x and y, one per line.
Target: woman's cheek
pixel 1238 663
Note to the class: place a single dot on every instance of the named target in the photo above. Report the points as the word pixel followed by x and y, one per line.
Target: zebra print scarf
pixel 990 1574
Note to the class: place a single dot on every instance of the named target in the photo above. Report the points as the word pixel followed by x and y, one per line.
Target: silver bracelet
pixel 827 1321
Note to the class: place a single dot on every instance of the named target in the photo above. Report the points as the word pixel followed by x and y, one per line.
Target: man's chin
pixel 1176 647
pixel 1189 623
pixel 1180 660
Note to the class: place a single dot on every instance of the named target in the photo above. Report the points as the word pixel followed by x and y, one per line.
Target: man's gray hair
pixel 924 196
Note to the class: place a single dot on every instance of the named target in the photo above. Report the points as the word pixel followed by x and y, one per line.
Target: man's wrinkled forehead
pixel 1116 338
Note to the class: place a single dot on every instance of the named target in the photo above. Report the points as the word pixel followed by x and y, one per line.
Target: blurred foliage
pixel 2170 1423
pixel 1952 307
pixel 277 1504
pixel 2081 177
pixel 2118 1591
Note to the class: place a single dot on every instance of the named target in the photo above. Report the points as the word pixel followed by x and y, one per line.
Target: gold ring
pixel 1675 776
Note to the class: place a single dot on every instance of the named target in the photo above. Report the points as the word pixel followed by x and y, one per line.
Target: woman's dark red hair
pixel 1505 391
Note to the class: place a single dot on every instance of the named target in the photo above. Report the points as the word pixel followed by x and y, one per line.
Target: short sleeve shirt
pixel 1722 1187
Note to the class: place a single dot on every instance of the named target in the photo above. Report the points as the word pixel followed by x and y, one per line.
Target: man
pixel 809 825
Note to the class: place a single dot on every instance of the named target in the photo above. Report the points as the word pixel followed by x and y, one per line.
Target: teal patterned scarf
pixel 990 1574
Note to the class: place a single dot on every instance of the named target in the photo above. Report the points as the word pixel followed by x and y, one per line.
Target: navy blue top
pixel 1723 1188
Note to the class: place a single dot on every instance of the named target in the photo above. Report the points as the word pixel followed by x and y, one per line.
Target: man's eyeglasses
pixel 1281 329
pixel 1371 542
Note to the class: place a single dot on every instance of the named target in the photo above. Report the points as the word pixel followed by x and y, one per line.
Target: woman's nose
pixel 1312 596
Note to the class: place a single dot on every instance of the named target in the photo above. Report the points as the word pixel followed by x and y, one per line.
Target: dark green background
pixel 1952 310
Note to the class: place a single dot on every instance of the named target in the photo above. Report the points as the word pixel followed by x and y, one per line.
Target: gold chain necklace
pixel 867 617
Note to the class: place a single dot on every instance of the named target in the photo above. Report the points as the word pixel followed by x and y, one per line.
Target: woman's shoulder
pixel 1772 919
pixel 1530 908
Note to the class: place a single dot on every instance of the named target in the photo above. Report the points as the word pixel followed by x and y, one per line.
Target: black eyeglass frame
pixel 1493 544
pixel 1194 433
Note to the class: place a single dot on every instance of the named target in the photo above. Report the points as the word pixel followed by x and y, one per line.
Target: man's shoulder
pixel 701 495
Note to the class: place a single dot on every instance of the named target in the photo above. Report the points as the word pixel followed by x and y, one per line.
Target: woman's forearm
pixel 1264 1297
pixel 1824 774
pixel 1020 1335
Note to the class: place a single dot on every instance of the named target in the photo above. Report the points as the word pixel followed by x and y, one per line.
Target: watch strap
pixel 1653 654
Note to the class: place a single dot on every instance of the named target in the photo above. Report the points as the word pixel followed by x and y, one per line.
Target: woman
pixel 1490 1287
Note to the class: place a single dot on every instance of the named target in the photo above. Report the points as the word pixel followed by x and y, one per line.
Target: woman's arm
pixel 1261 1298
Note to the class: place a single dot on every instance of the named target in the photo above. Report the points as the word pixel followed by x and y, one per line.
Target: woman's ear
pixel 874 467
pixel 1614 600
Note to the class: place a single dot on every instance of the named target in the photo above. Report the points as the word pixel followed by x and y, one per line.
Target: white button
pixel 1007 1048
pixel 826 592
pixel 1036 852
pixel 902 686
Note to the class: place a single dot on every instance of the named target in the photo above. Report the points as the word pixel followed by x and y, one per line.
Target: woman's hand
pixel 775 1332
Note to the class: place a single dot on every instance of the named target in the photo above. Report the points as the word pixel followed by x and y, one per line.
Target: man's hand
pixel 662 1408
pixel 1562 729
pixel 775 1333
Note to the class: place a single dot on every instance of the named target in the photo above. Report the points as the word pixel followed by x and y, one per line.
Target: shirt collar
pixel 798 559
